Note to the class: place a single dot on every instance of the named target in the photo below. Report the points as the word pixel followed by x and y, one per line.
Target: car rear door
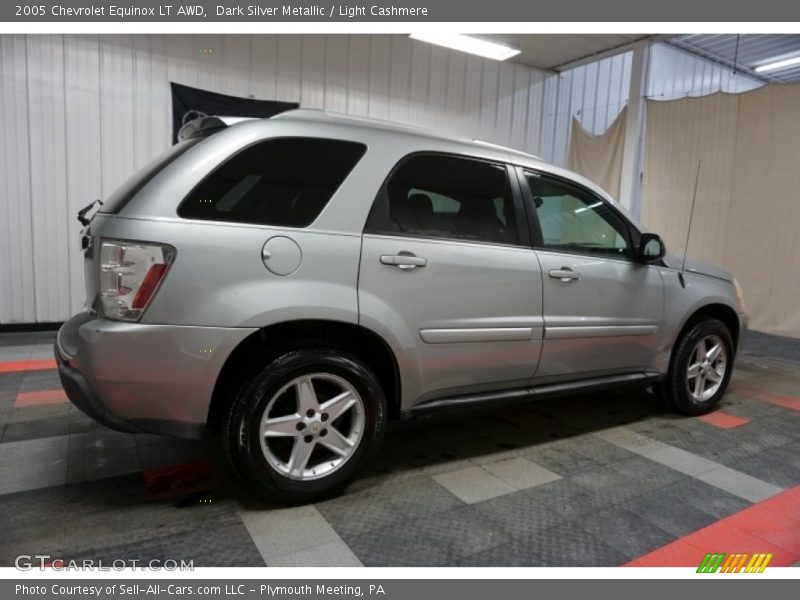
pixel 448 276
pixel 601 308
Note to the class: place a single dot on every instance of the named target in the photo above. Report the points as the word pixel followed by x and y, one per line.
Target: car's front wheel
pixel 700 369
pixel 306 424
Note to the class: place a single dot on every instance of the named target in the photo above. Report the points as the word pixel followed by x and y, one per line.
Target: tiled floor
pixel 607 479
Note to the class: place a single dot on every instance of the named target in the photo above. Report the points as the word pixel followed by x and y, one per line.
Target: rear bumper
pixel 137 377
pixel 81 394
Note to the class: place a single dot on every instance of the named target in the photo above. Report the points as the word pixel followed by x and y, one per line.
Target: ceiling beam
pixel 609 52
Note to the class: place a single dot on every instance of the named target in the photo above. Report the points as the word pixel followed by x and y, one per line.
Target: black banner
pixel 190 103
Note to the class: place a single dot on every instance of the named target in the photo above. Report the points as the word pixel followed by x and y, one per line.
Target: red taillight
pixel 149 285
pixel 130 274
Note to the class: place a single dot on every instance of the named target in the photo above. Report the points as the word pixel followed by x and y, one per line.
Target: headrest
pixel 419 204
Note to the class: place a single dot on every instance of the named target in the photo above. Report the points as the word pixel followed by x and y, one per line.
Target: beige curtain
pixel 599 157
pixel 747 212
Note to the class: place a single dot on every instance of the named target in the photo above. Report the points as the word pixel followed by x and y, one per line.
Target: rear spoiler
pixel 205 126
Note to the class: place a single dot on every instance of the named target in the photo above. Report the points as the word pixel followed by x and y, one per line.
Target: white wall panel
pixel 79 114
pixel 84 153
pixel 17 289
pixel 380 76
pixel 47 135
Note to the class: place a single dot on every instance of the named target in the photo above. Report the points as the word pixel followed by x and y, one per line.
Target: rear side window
pixel 117 201
pixel 285 182
pixel 450 197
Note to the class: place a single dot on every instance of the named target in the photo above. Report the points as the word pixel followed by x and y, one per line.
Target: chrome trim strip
pixel 593 331
pixel 482 334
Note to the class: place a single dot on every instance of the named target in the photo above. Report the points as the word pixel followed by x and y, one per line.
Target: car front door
pixel 449 278
pixel 601 307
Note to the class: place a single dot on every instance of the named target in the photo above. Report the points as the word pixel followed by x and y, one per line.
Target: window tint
pixel 117 201
pixel 447 197
pixel 573 219
pixel 285 181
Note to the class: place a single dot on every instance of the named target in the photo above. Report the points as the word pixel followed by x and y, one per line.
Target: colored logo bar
pixel 734 563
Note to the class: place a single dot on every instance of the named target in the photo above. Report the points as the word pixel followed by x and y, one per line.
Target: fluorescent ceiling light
pixel 780 64
pixel 469 44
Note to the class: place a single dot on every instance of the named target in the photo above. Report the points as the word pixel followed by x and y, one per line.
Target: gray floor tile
pixel 518 514
pixel 360 512
pixel 417 496
pixel 669 513
pixel 42 536
pixel 568 545
pixel 626 532
pixel 706 497
pixel 32 430
pixel 512 554
pixel 568 499
pixel 143 551
pixel 600 450
pixel 607 483
pixel 560 460
pixel 430 541
pixel 215 545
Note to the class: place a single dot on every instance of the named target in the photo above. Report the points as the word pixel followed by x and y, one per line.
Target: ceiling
pixel 552 51
pixel 743 52
pixel 752 51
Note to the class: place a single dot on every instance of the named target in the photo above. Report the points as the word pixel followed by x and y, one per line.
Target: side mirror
pixel 651 248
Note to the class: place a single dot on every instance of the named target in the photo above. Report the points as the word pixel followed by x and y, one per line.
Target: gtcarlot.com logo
pixel 28 562
pixel 719 562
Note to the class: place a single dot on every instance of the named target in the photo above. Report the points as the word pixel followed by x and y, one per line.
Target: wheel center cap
pixel 315 427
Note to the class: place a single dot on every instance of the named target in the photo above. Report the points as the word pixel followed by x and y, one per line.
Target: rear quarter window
pixel 284 182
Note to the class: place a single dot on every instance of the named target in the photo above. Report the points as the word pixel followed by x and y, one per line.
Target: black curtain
pixel 189 103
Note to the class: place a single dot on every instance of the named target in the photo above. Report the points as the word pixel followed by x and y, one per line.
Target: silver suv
pixel 296 282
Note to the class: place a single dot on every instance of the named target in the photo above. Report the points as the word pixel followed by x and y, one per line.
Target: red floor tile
pixel 723 420
pixel 770 526
pixel 782 530
pixel 782 400
pixel 27 365
pixel 40 398
pixel 679 553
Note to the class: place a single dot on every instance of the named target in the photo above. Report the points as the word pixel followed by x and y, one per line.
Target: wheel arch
pixel 716 310
pixel 268 341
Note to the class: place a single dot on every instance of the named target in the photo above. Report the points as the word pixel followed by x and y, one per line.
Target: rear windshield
pixel 284 181
pixel 123 194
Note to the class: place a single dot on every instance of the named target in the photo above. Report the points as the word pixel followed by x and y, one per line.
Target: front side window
pixel 438 196
pixel 574 220
pixel 284 182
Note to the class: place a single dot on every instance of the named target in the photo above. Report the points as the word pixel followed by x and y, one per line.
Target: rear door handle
pixel 564 274
pixel 403 261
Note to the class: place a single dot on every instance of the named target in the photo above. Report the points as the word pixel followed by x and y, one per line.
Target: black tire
pixel 673 391
pixel 241 437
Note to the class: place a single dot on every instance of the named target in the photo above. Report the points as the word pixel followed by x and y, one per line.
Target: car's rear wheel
pixel 700 369
pixel 306 424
